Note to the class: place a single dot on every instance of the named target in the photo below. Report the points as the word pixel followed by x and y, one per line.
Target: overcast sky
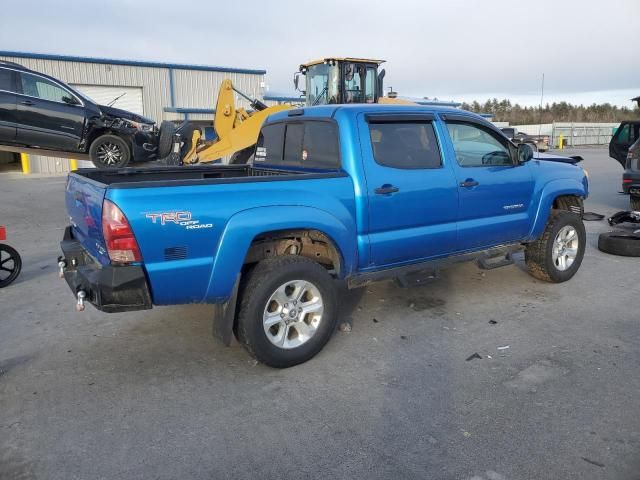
pixel 453 49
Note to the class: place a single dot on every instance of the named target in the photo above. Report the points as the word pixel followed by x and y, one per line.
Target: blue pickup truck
pixel 359 193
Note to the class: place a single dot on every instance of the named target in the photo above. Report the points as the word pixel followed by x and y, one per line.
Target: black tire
pixel 620 243
pixel 257 289
pixel 539 254
pixel 10 264
pixel 165 138
pixel 110 151
pixel 243 156
pixel 634 203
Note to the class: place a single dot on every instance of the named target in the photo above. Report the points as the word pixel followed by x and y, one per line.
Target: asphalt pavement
pixel 554 395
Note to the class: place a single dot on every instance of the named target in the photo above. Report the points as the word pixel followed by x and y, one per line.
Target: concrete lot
pixel 150 395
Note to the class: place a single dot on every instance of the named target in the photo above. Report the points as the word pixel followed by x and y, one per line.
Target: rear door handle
pixel 386 189
pixel 468 183
pixel 27 102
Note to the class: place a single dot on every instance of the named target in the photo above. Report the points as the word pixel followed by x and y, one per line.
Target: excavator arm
pixel 236 129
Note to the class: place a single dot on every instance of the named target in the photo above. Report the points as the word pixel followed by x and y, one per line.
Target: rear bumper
pixel 109 288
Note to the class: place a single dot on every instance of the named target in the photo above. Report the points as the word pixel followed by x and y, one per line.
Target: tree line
pixel 505 111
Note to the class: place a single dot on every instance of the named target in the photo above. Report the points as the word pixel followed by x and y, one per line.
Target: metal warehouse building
pixel 161 91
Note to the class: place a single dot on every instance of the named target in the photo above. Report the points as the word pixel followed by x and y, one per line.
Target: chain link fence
pixel 572 134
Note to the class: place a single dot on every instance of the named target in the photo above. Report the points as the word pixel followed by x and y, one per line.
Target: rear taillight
pixel 118 236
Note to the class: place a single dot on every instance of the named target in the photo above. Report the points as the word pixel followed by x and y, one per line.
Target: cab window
pixel 406 145
pixel 352 83
pixel 478 147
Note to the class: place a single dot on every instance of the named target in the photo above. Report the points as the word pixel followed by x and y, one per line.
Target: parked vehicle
pixel 360 193
pixel 537 142
pixel 625 148
pixel 10 261
pixel 39 111
pixel 631 176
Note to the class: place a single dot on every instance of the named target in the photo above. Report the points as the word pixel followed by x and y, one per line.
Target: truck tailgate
pixel 83 198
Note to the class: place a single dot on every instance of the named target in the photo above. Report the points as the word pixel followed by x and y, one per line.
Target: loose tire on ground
pixel 263 294
pixel 545 260
pixel 620 243
pixel 110 151
pixel 634 203
pixel 165 139
pixel 10 264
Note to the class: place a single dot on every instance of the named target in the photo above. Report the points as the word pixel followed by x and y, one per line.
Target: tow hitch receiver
pixel 61 266
pixel 81 295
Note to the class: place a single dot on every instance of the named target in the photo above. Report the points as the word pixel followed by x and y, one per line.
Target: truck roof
pixel 329 111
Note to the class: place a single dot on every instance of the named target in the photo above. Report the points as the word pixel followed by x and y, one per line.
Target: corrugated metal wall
pixel 192 89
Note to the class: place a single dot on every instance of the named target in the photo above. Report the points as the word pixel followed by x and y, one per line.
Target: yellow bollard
pixel 73 163
pixel 26 163
pixel 561 143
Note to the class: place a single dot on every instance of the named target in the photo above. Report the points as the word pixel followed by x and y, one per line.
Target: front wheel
pixel 287 312
pixel 109 151
pixel 557 254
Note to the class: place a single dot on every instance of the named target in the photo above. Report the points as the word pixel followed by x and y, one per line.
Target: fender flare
pixel 551 191
pixel 244 226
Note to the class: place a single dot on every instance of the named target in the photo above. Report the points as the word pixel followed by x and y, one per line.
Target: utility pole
pixel 541 98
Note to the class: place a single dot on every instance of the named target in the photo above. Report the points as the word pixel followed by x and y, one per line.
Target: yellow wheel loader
pixel 327 81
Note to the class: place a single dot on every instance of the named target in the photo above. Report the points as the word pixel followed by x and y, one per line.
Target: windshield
pixel 322 84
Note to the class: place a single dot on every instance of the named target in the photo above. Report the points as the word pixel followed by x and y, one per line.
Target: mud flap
pixel 224 315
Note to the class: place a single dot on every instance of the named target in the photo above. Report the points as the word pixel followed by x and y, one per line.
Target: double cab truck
pixel 356 193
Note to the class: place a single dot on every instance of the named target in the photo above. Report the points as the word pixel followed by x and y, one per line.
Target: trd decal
pixel 184 219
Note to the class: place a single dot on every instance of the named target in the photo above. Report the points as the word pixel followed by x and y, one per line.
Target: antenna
pixel 541 98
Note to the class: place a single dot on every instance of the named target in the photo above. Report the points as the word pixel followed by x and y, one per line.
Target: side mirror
pixel 296 79
pixel 525 152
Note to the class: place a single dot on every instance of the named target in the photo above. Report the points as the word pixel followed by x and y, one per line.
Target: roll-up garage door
pixel 103 95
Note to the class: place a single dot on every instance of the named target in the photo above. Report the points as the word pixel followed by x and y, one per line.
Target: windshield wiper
pixel 324 90
pixel 116 99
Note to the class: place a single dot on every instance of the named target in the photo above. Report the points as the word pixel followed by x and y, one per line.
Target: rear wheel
pixel 634 203
pixel 109 151
pixel 10 264
pixel 557 254
pixel 287 311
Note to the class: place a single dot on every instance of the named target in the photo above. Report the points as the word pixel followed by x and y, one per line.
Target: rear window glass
pixel 294 135
pixel 309 144
pixel 6 80
pixel 270 143
pixel 405 145
pixel 320 146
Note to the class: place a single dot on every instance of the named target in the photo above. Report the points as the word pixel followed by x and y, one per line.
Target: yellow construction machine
pixel 330 80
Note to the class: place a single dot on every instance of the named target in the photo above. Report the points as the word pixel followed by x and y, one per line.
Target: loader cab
pixel 341 80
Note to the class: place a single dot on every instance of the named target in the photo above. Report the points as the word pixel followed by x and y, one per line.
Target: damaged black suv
pixel 38 111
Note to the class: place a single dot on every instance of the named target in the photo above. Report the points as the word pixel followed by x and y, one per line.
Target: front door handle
pixel 386 189
pixel 27 102
pixel 468 183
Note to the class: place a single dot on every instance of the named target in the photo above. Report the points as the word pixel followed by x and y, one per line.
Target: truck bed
pixel 190 175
